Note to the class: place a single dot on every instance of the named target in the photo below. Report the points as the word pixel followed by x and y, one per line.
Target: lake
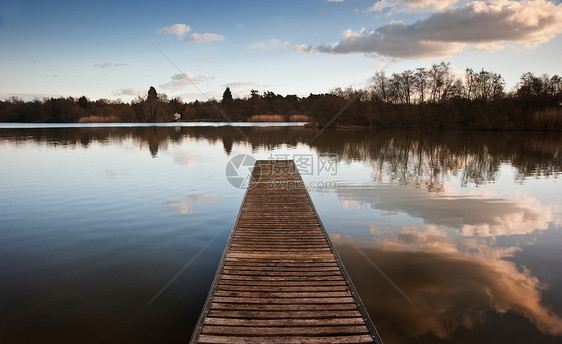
pixel 114 233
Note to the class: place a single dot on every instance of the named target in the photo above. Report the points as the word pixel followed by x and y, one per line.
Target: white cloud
pixel 335 0
pixel 180 81
pixel 181 30
pixel 303 48
pixel 131 91
pixel 178 29
pixel 203 37
pixel 413 5
pixel 484 25
pixel 272 44
pixel 108 64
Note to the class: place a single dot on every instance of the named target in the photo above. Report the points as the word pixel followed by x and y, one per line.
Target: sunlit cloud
pixel 178 29
pixel 412 5
pixel 302 48
pixel 272 44
pixel 180 81
pixel 452 284
pixel 204 37
pixel 181 30
pixel 483 25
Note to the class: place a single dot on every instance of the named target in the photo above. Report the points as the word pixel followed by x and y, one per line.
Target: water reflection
pixel 101 218
pixel 478 213
pixel 409 157
pixel 185 207
pixel 454 284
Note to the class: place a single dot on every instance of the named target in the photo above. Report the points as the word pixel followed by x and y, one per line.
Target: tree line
pixel 436 98
pixel 433 97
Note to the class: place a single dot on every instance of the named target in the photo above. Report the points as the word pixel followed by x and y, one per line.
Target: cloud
pixel 272 44
pixel 412 5
pixel 178 29
pixel 108 64
pixel 204 37
pixel 181 30
pixel 477 215
pixel 335 0
pixel 180 81
pixel 452 283
pixel 131 91
pixel 302 48
pixel 484 25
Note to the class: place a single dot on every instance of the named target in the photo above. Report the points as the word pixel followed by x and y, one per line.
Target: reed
pixel 267 118
pixel 299 118
pixel 99 119
pixel 547 119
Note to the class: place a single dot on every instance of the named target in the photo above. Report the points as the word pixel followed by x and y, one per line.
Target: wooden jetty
pixel 280 279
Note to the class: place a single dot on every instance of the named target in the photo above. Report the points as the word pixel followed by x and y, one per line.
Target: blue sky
pixel 109 49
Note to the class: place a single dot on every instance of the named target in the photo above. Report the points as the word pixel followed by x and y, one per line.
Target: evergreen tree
pixel 152 95
pixel 227 96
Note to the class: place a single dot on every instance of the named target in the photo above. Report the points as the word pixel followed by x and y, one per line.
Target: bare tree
pixel 420 83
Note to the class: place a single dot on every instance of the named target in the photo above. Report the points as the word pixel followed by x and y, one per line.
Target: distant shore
pixel 424 98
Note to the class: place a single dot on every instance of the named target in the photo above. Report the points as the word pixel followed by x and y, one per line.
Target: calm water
pixel 113 234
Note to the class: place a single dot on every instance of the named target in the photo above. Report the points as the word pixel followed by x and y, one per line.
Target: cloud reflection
pixel 480 215
pixel 453 284
pixel 201 198
pixel 185 207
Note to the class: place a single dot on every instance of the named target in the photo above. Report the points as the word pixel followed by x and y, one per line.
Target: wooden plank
pixel 294 300
pixel 270 288
pixel 284 331
pixel 331 314
pixel 285 340
pixel 283 322
pixel 287 284
pixel 280 279
pixel 285 307
pixel 280 295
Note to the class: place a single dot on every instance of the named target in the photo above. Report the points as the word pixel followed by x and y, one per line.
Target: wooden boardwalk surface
pixel 280 279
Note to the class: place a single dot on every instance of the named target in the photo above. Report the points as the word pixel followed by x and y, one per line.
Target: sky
pixel 195 49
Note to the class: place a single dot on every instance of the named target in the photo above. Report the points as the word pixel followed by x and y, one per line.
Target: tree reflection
pixel 422 158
